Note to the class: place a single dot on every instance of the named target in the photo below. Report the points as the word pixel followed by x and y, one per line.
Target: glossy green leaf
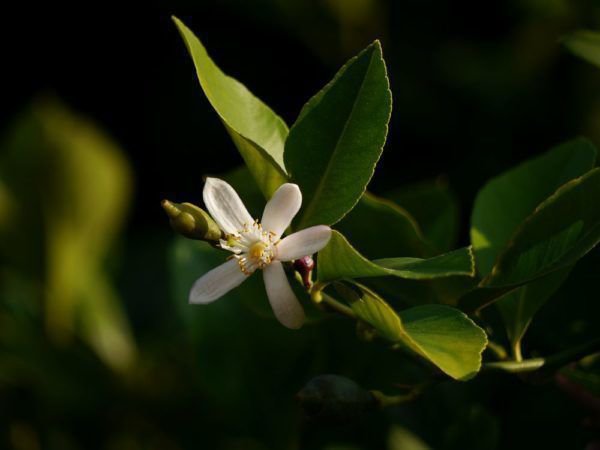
pixel 507 200
pixel 443 335
pixel 434 207
pixel 338 138
pixel 562 230
pixel 447 337
pixel 518 307
pixel 378 228
pixel 340 260
pixel 258 133
pixel 372 309
pixel 585 44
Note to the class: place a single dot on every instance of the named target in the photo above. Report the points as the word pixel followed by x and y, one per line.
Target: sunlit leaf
pixel 340 260
pixel 443 335
pixel 258 133
pixel 372 309
pixel 334 145
pixel 447 337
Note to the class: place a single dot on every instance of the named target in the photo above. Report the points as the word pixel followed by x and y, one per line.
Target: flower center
pixel 251 246
pixel 257 250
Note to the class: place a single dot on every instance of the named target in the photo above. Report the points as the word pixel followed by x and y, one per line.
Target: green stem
pixel 385 401
pixel 516 351
pixel 337 306
pixel 550 362
pixel 497 350
pixel 319 297
pixel 527 365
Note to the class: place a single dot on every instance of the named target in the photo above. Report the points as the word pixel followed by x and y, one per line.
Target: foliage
pixel 424 326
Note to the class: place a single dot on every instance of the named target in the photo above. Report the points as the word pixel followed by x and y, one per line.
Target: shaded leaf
pixel 434 207
pixel 520 305
pixel 585 44
pixel 334 145
pixel 561 230
pixel 378 228
pixel 258 133
pixel 507 200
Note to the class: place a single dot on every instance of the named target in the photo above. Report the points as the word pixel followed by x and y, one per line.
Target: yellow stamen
pixel 256 250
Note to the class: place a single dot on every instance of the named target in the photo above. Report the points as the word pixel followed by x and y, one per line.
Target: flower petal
pixel 225 206
pixel 282 208
pixel 285 305
pixel 303 243
pixel 217 282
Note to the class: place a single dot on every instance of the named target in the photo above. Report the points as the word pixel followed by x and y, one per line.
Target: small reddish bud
pixel 304 267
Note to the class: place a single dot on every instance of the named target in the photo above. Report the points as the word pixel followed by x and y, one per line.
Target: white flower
pixel 258 246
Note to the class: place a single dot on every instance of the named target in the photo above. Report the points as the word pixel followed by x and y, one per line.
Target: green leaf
pixel 340 260
pixel 435 209
pixel 379 229
pixel 446 337
pixel 338 138
pixel 443 335
pixel 518 307
pixel 561 230
pixel 507 200
pixel 69 189
pixel 585 44
pixel 372 309
pixel 258 133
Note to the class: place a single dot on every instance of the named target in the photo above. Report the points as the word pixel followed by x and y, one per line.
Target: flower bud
pixel 191 221
pixel 304 267
pixel 334 399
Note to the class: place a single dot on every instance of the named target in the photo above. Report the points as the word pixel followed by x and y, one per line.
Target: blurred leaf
pixel 443 335
pixel 560 231
pixel 472 427
pixel 588 378
pixel 585 44
pixel 366 223
pixel 435 209
pixel 507 200
pixel 519 306
pixel 81 185
pixel 340 260
pixel 258 133
pixel 329 399
pixel 334 145
pixel 401 438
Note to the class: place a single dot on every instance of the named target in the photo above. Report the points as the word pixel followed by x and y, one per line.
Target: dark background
pixel 477 87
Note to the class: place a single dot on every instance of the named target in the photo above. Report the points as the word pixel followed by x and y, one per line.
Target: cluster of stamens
pixel 253 247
